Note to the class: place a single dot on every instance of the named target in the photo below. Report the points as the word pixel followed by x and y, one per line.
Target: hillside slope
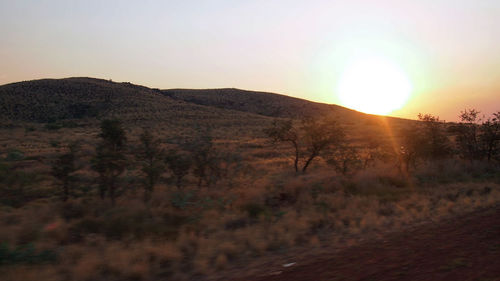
pixel 49 100
pixel 277 105
pixel 263 103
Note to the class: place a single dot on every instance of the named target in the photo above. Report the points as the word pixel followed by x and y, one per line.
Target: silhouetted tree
pixel 150 155
pixel 63 169
pixel 435 143
pixel 308 140
pixel 110 160
pixel 490 136
pixel 467 134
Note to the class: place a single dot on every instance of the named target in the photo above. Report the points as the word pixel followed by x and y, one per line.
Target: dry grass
pixel 145 242
pixel 263 209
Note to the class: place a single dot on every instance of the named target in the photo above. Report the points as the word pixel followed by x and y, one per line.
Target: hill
pixel 263 103
pixel 48 100
pixel 51 100
pixel 274 105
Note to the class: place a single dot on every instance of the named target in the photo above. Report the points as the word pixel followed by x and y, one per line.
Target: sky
pixel 448 49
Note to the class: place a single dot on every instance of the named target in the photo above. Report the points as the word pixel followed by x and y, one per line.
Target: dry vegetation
pixel 252 204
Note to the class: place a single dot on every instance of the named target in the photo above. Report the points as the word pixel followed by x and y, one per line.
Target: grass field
pixel 258 207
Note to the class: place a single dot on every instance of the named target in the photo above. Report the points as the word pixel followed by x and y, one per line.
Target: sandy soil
pixel 463 248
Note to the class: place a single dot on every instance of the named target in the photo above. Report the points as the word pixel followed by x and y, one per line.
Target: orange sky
pixel 448 49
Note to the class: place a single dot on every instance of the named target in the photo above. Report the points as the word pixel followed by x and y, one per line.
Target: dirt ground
pixel 463 248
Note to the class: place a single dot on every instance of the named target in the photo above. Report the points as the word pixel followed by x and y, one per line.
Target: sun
pixel 373 85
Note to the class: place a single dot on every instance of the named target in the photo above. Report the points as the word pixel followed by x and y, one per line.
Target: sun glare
pixel 373 85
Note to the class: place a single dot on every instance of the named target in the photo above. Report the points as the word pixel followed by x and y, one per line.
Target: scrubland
pixel 259 209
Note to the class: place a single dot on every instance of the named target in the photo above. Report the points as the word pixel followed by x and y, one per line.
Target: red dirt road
pixel 465 248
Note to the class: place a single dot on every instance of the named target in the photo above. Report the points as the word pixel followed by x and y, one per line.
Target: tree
pixel 435 142
pixel 490 136
pixel 205 160
pixel 64 168
pixel 426 139
pixel 110 160
pixel 179 164
pixel 308 140
pixel 374 150
pixel 320 136
pixel 410 150
pixel 467 134
pixel 284 132
pixel 150 155
pixel 346 159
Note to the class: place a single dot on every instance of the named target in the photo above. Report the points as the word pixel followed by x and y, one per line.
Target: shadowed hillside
pixel 73 98
pixel 50 100
pixel 281 106
pixel 268 104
